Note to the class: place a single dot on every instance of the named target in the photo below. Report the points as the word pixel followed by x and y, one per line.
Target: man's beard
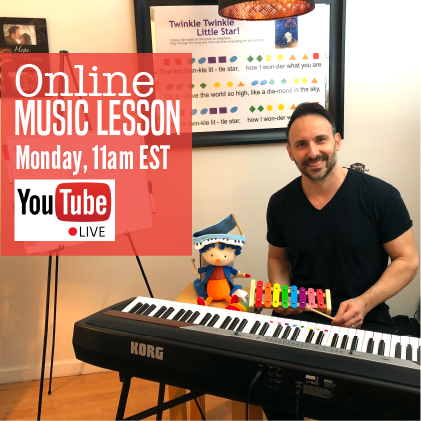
pixel 318 174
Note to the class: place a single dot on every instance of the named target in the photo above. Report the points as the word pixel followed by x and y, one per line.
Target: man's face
pixel 313 146
pixel 16 35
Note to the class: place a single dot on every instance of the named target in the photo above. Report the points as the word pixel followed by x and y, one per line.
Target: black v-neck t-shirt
pixel 339 247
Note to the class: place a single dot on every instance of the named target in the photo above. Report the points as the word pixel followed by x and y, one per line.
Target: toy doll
pixel 219 249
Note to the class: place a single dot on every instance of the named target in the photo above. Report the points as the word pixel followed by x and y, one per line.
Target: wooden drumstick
pixel 318 312
pixel 195 268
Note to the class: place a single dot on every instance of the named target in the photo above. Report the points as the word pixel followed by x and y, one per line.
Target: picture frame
pixel 335 84
pixel 21 36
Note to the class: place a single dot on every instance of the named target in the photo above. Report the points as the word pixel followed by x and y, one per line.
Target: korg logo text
pixel 148 351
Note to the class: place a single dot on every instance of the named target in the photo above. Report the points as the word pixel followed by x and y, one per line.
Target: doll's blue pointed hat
pixel 218 233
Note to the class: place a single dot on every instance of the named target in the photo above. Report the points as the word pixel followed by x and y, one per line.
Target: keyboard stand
pixel 156 410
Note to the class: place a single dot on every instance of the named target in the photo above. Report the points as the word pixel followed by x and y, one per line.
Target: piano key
pixel 309 336
pixel 132 304
pixel 344 342
pixel 303 331
pixel 178 314
pixel 419 354
pixel 251 323
pixel 223 315
pixel 359 334
pixel 370 346
pixel 354 343
pixel 334 341
pixel 404 343
pixel 142 309
pixel 264 329
pixel 398 350
pixel 380 349
pixel 160 311
pixel 278 330
pixel 367 336
pixel 242 325
pixel 205 319
pixel 255 326
pixel 287 332
pixel 333 331
pixel 274 323
pixel 377 337
pixel 308 333
pixel 234 323
pixel 393 342
pixel 343 331
pixel 292 324
pixel 186 315
pixel 226 322
pixel 318 333
pixel 414 344
pixel 295 334
pixel 149 310
pixel 409 352
pixel 326 334
pixel 386 338
pixel 135 307
pixel 194 317
pixel 168 313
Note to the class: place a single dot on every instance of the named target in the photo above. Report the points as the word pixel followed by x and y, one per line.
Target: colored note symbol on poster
pixel 314 81
pixel 230 84
pixel 241 84
pixel 204 111
pixel 259 58
pixel 305 57
pixel 272 82
pixel 217 85
pixel 315 56
pixel 193 112
pixel 203 85
pixel 169 87
pixel 304 80
pixel 260 108
pixel 254 83
pixel 283 81
pixel 234 109
pixel 269 107
pixel 281 107
pixel 250 58
pixel 292 57
pixel 191 86
pixel 222 59
pixel 233 59
pixel 167 62
pixel 252 109
pixel 263 82
pixel 201 60
pixel 280 57
pixel 296 80
pixel 268 58
pixel 293 107
pixel 211 60
pixel 178 61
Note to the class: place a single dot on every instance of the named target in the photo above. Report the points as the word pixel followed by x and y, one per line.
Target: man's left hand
pixel 351 313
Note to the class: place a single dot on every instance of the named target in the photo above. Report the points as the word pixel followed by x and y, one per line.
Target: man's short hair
pixel 310 108
pixel 13 29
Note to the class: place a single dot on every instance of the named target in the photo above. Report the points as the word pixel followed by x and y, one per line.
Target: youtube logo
pixel 64 210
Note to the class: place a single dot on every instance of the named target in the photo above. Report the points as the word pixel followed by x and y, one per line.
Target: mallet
pixel 195 268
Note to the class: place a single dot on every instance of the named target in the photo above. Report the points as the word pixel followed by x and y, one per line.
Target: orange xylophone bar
pixel 268 296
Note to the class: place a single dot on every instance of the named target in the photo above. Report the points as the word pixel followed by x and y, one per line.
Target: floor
pixel 89 397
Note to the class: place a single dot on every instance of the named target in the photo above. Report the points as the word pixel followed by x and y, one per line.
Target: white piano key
pixel 377 337
pixel 303 332
pixel 351 335
pixel 368 335
pixel 343 331
pixel 414 343
pixel 404 344
pixel 386 338
pixel 306 332
pixel 333 331
pixel 326 331
pixel 222 313
pixel 395 339
pixel 250 317
pixel 177 307
pixel 360 335
pixel 319 328
pixel 274 323
pixel 250 325
pixel 292 324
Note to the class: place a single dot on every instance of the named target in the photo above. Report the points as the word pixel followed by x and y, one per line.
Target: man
pixel 14 35
pixel 336 228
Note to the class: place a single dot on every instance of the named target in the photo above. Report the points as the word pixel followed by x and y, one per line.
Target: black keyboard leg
pixel 161 395
pixel 125 379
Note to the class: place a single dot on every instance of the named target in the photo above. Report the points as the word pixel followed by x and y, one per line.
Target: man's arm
pixel 401 271
pixel 279 272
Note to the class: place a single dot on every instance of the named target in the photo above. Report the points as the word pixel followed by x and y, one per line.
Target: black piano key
pixel 286 333
pixel 398 350
pixel 320 338
pixel 225 322
pixel 354 343
pixel 277 332
pixel 254 328
pixel 310 336
pixel 142 309
pixel 179 314
pixel 242 325
pixel 334 340
pixel 419 354
pixel 193 317
pixel 370 346
pixel 186 315
pixel 295 334
pixel 205 319
pixel 135 308
pixel 213 320
pixel 150 309
pixel 344 342
pixel 160 312
pixel 381 348
pixel 167 313
pixel 234 324
pixel 264 329
pixel 409 352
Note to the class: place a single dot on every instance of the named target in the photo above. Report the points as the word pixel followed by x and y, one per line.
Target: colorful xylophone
pixel 268 296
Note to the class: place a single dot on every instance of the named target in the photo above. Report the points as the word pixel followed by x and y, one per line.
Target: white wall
pixel 382 130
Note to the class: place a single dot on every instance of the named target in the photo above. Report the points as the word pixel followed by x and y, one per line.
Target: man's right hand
pixel 287 311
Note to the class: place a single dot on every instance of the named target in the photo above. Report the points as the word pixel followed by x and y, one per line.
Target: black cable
pixel 297 404
pixel 416 313
pixel 200 410
pixel 253 382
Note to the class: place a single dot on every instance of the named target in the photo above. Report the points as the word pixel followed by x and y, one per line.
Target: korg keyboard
pixel 330 372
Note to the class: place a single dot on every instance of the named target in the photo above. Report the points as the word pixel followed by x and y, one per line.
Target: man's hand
pixel 287 311
pixel 351 313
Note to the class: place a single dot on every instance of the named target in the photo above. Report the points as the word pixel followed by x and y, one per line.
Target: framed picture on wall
pixel 248 77
pixel 21 36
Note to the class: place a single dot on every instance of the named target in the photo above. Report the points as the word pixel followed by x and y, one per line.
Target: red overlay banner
pixel 96 154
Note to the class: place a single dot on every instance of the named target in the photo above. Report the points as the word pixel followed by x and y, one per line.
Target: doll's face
pixel 217 257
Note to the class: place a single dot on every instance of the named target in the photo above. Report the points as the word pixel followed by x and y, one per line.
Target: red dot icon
pixel 72 231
